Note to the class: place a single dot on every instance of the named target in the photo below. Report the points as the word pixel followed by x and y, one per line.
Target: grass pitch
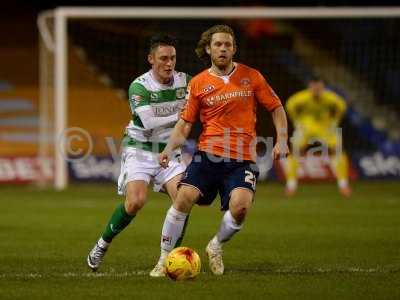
pixel 313 246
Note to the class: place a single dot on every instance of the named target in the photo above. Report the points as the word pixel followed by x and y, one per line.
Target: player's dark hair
pixel 161 39
pixel 315 77
pixel 206 36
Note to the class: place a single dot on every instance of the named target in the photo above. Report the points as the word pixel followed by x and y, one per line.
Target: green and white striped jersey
pixel 165 100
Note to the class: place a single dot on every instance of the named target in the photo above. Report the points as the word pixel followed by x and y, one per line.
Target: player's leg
pixel 136 194
pixel 174 225
pixel 176 216
pixel 339 162
pixel 237 193
pixel 292 164
pixel 171 187
pixel 197 183
pixel 240 202
pixel 299 142
pixel 172 190
pixel 197 186
pixel 137 169
pixel 169 179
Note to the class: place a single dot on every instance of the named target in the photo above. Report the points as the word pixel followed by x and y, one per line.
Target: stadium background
pixel 353 56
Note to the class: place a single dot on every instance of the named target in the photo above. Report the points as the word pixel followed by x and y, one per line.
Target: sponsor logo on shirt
pixel 226 97
pixel 208 88
pixel 245 81
pixel 166 110
pixel 153 96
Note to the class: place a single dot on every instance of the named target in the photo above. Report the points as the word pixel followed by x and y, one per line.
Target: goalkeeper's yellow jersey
pixel 327 110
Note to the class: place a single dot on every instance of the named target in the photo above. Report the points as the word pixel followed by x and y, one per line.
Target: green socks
pixel 119 220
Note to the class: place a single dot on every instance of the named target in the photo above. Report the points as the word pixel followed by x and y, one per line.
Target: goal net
pixel 89 56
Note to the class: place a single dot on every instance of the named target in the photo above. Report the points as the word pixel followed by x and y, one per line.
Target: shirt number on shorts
pixel 250 178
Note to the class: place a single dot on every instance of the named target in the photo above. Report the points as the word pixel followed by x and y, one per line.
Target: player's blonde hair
pixel 205 39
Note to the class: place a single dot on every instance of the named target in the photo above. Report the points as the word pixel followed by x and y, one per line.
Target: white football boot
pixel 214 254
pixel 95 257
pixel 158 270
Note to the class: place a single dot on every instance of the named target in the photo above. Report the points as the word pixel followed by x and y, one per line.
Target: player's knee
pixel 239 213
pixel 239 210
pixel 240 204
pixel 186 198
pixel 134 202
pixel 182 205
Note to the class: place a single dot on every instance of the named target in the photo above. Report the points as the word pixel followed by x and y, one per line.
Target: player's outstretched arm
pixel 178 137
pixel 281 148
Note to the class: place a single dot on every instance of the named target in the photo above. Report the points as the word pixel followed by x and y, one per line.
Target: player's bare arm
pixel 281 148
pixel 178 137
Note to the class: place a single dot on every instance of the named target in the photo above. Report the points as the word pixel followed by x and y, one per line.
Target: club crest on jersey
pixel 208 89
pixel 245 81
pixel 137 99
pixel 180 93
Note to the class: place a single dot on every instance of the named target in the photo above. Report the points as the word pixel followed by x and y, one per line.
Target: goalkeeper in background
pixel 316 113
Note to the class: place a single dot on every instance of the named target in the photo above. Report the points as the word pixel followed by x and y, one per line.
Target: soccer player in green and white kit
pixel 156 99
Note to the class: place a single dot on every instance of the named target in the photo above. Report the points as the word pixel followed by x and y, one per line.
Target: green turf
pixel 314 246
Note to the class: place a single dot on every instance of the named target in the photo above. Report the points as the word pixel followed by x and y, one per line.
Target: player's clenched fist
pixel 163 159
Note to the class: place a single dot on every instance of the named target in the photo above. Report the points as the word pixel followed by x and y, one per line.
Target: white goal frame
pixel 59 45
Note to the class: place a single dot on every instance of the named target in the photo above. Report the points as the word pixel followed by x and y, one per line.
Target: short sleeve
pixel 265 94
pixel 191 109
pixel 138 96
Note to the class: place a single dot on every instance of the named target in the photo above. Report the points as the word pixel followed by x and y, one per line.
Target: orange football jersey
pixel 227 109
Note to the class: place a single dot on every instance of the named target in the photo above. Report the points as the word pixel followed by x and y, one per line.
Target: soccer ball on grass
pixel 182 263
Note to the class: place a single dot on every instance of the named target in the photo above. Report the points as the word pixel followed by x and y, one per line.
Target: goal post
pixel 53 28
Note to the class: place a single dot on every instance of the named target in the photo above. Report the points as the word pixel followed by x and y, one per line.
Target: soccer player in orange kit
pixel 225 97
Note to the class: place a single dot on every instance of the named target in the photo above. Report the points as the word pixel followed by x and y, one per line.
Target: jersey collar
pixel 225 78
pixel 162 85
